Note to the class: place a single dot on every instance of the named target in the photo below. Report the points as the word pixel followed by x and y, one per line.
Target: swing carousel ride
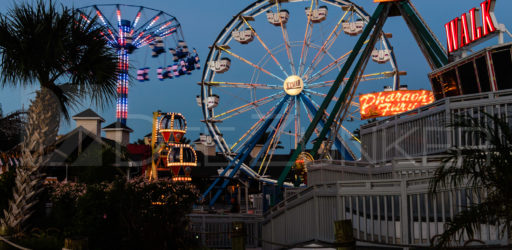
pixel 130 28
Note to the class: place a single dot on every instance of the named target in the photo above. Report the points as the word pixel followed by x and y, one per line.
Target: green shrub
pixel 125 215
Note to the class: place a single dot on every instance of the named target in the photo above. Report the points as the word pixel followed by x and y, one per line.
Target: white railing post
pixel 404 218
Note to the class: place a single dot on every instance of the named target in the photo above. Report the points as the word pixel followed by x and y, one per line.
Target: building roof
pixel 80 147
pixel 117 126
pixel 88 114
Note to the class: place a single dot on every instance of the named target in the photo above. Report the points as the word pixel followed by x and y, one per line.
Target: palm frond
pixel 43 45
pixel 485 166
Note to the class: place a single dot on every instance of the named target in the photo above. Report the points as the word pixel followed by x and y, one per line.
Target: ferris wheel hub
pixel 293 85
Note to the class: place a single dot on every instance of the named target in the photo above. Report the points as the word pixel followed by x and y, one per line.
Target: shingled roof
pixel 117 125
pixel 88 114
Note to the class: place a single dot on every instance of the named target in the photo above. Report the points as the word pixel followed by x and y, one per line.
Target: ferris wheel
pixel 271 66
pixel 129 28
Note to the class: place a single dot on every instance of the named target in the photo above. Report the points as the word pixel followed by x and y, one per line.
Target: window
pixel 502 63
pixel 467 77
pixel 483 74
pixel 450 83
pixel 436 87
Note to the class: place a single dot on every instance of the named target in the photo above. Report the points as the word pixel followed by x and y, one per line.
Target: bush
pixel 125 215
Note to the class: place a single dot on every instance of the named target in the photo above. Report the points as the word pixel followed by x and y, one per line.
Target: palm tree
pixel 64 56
pixel 486 168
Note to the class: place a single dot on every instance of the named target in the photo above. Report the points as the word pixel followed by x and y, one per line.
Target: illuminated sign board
pixel 392 102
pixel 461 32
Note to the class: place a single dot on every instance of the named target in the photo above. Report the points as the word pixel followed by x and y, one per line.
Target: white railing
pixel 425 131
pixel 329 171
pixel 392 211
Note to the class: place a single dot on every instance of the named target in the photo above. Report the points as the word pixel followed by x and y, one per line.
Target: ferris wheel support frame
pixel 240 158
pixel 344 149
pixel 428 43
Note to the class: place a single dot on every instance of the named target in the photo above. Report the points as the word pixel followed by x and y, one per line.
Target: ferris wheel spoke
pixel 250 105
pixel 284 31
pixel 319 94
pixel 255 128
pixel 324 95
pixel 310 117
pixel 319 84
pixel 252 129
pixel 364 78
pixel 297 121
pixel 328 43
pixel 306 34
pixel 250 63
pixel 243 85
pixel 270 146
pixel 265 46
pixel 244 110
pixel 329 67
pixel 325 70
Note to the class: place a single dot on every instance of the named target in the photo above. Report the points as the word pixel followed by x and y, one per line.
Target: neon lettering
pixel 487 20
pixel 459 28
pixel 464 38
pixel 476 33
pixel 393 102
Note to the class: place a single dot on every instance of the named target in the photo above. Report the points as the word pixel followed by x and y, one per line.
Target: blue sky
pixel 202 20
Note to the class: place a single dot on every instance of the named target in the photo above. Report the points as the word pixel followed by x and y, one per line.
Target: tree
pixel 137 214
pixel 64 56
pixel 484 167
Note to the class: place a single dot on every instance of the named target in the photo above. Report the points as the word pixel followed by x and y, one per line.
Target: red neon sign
pixel 457 30
pixel 392 102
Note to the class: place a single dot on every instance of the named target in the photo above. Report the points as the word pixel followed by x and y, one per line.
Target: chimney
pixel 118 132
pixel 205 145
pixel 89 120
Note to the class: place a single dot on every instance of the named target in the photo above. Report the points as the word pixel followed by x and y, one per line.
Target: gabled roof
pixel 71 148
pixel 117 126
pixel 88 114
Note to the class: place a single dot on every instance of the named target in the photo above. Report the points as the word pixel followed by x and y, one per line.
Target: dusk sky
pixel 202 20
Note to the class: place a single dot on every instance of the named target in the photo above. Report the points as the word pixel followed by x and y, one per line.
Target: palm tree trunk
pixel 41 132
